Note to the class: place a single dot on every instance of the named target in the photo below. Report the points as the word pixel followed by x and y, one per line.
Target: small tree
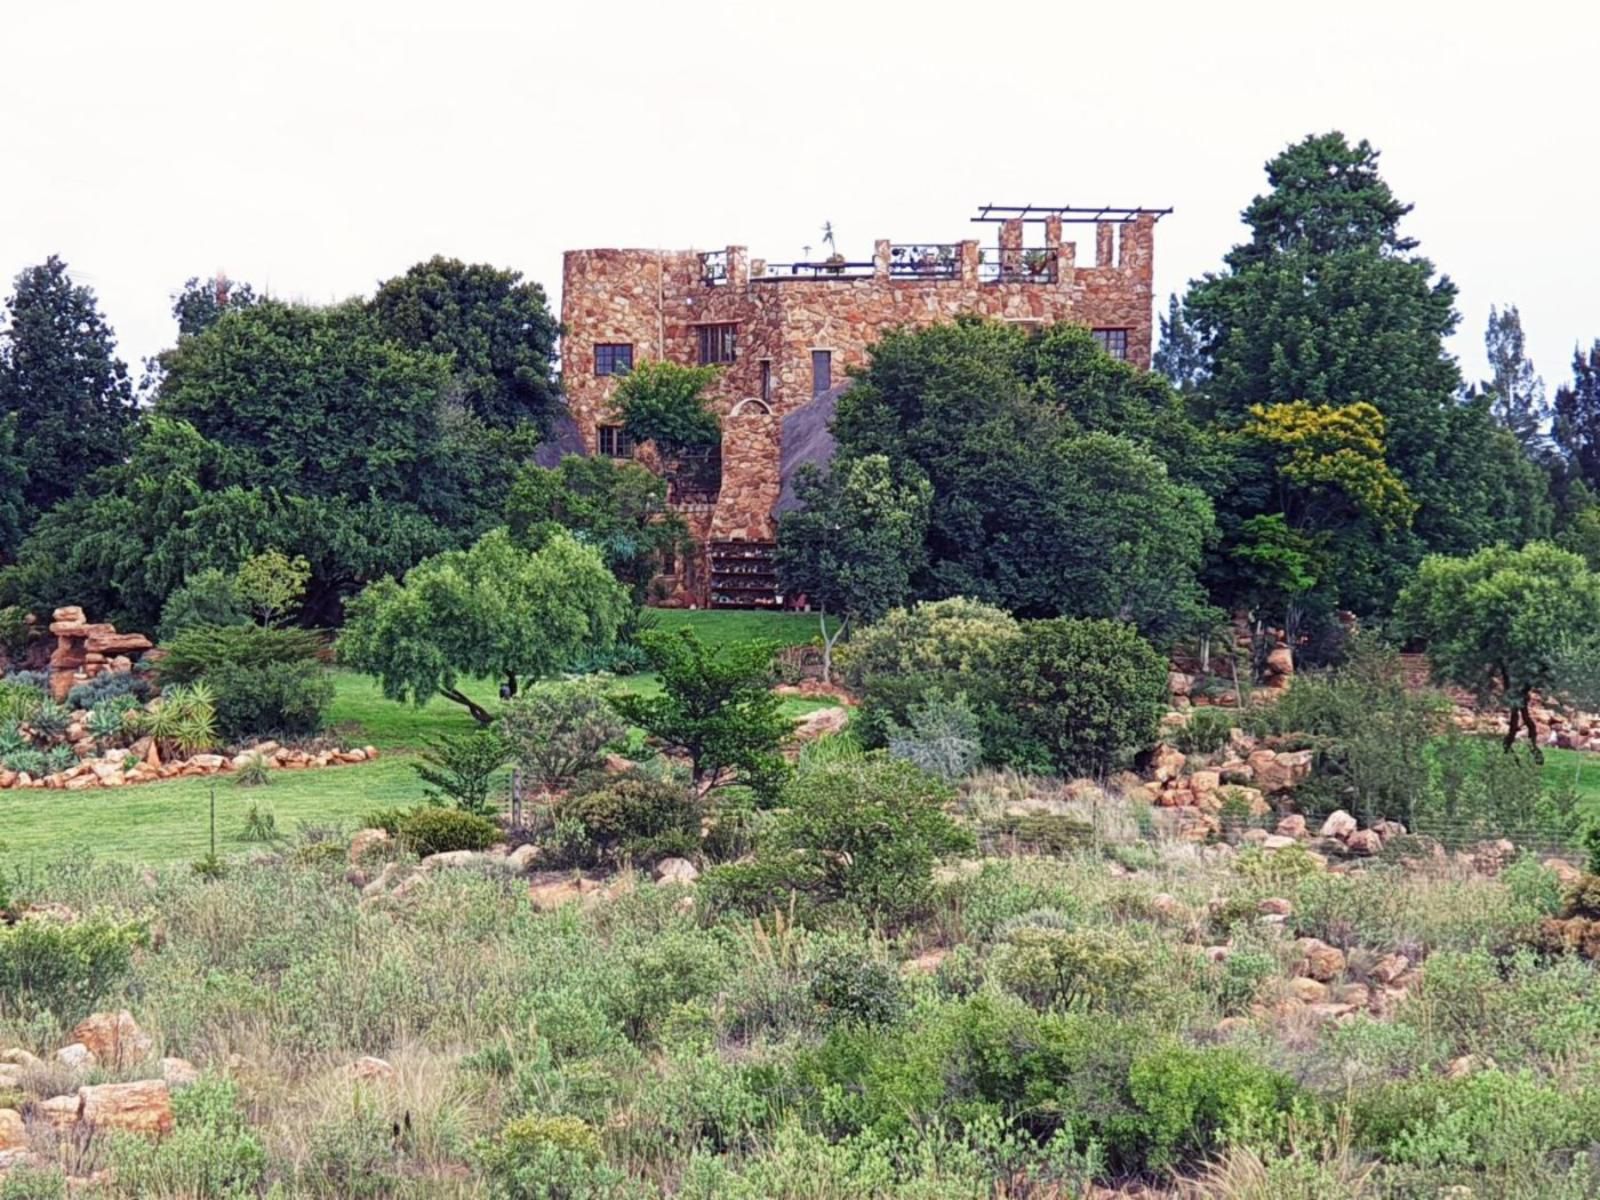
pixel 459 768
pixel 1502 622
pixel 492 611
pixel 854 545
pixel 273 584
pixel 716 706
pixel 1090 694
pixel 560 730
pixel 663 402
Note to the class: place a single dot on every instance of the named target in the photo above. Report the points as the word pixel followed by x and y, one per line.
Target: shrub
pixel 1482 791
pixel 256 772
pixel 210 1152
pixel 546 1158
pixel 108 686
pixel 64 968
pixel 636 817
pixel 1193 1100
pixel 108 720
pixel 26 761
pixel 865 834
pixel 19 701
pixel 262 680
pixel 210 597
pixel 943 739
pixel 1090 693
pixel 957 636
pixel 1206 731
pixel 460 767
pixel 851 983
pixel 430 830
pixel 287 698
pixel 1083 968
pixel 49 720
pixel 558 731
pixel 182 720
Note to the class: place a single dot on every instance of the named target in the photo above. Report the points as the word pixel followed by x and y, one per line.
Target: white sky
pixel 318 146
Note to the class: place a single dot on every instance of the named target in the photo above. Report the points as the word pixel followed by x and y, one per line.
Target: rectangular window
pixel 1113 341
pixel 821 371
pixel 614 443
pixel 669 560
pixel 717 343
pixel 766 380
pixel 613 358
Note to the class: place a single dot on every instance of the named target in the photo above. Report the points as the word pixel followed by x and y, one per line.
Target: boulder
pixel 1320 961
pixel 523 857
pixel 821 723
pixel 1389 968
pixel 13 1133
pixel 1283 771
pixel 115 1039
pixel 1364 842
pixel 76 1057
pixel 452 858
pixel 369 1067
pixel 1274 906
pixel 550 894
pixel 18 1057
pixel 1566 874
pixel 676 870
pixel 1179 684
pixel 1276 841
pixel 1201 782
pixel 1339 824
pixel 1308 991
pixel 1166 763
pixel 207 762
pixel 59 1112
pixel 178 1072
pixel 141 1107
pixel 1388 829
pixel 1292 826
pixel 364 841
pixel 1280 661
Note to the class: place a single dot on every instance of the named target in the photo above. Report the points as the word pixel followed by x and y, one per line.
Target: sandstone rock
pixel 1276 841
pixel 1308 991
pixel 1283 772
pixel 1468 1064
pixel 1179 684
pixel 452 858
pixel 1332 1013
pixel 1353 994
pixel 1167 763
pixel 1364 842
pixel 1388 829
pixel 1339 824
pixel 1292 826
pixel 1490 858
pixel 1566 874
pixel 822 722
pixel 364 841
pixel 523 857
pixel 369 1067
pixel 549 895
pixel 115 1039
pixel 1202 782
pixel 18 1057
pixel 379 885
pixel 76 1057
pixel 178 1072
pixel 1255 837
pixel 925 964
pixel 59 1112
pixel 1389 968
pixel 13 1133
pixel 207 762
pixel 676 870
pixel 141 1107
pixel 1319 960
pixel 1275 906
pixel 1280 661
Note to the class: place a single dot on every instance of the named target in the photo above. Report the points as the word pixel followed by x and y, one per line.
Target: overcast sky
pixel 314 147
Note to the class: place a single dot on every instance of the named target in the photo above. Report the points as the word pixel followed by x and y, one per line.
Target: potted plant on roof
pixel 1038 263
pixel 835 260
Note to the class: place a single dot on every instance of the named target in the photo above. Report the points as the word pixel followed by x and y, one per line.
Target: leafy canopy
pixel 493 610
pixel 664 403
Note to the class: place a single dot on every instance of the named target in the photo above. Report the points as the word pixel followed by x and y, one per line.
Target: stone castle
pixel 787 334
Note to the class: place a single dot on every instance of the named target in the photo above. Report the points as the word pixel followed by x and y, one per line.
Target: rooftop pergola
pixel 1065 213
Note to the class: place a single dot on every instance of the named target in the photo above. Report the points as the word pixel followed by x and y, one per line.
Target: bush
pixel 210 598
pixel 210 1152
pixel 1192 1101
pixel 109 686
pixel 460 768
pixel 430 830
pixel 849 983
pixel 64 968
pixel 943 739
pixel 1206 731
pixel 261 680
pixel 1091 694
pixel 865 834
pixel 19 701
pixel 632 816
pixel 1483 791
pixel 558 731
pixel 1082 968
pixel 546 1158
pixel 956 636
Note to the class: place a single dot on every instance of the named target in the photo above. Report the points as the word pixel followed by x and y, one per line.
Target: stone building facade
pixel 787 333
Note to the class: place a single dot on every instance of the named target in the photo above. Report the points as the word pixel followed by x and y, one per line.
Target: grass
pixel 169 822
pixel 1578 769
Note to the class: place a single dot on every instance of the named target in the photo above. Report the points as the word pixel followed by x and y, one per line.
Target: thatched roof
pixel 807 439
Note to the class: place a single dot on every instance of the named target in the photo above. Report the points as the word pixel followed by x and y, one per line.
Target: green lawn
pixel 1577 768
pixel 166 822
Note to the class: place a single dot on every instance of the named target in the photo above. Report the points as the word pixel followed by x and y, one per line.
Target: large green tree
pixel 1061 477
pixel 497 330
pixel 619 508
pixel 1502 623
pixel 852 547
pixel 1576 425
pixel 13 488
pixel 1327 303
pixel 62 380
pixel 1516 393
pixel 492 611
pixel 197 305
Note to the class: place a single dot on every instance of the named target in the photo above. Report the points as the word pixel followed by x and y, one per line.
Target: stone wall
pixel 656 301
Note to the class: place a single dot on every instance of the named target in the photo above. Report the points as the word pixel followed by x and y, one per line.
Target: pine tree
pixel 1577 416
pixel 60 376
pixel 1179 356
pixel 1517 397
